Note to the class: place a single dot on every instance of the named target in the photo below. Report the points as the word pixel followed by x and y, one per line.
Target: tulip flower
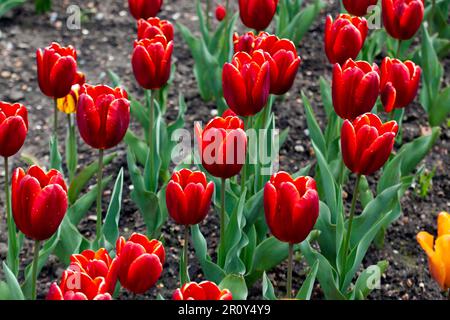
pixel 68 104
pixel 77 285
pixel 223 145
pixel 228 113
pixel 283 60
pixel 151 61
pixel 344 37
pixel 39 203
pixel 257 14
pixel 246 83
pixel 205 290
pixel 367 143
pixel 402 18
pixel 57 72
pixel 144 9
pixel 96 264
pixel 13 132
pixel 103 117
pixel 188 200
pixel 221 13
pixel 355 88
pixel 438 251
pixel 13 128
pixel 148 29
pixel 399 83
pixel 140 262
pixel 291 208
pixel 358 7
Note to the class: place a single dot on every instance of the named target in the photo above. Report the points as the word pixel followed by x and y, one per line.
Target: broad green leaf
pixel 15 292
pixel 236 284
pixel 55 156
pixel 80 181
pixel 111 224
pixel 370 278
pixel 268 291
pixel 314 129
pixel 308 285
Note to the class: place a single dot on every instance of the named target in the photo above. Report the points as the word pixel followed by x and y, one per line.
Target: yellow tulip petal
pixel 442 249
pixel 443 224
pixel 426 241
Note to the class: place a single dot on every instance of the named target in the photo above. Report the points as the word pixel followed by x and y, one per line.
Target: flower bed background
pixel 105 43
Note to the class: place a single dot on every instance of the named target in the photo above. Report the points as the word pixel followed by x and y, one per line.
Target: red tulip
pixel 228 113
pixel 367 143
pixel 39 201
pixel 205 290
pixel 246 83
pixel 402 18
pixel 144 9
pixel 355 88
pixel 13 128
pixel 284 62
pixel 399 83
pixel 222 145
pixel 291 207
pixel 188 197
pixel 103 115
pixel 69 103
pixel 148 29
pixel 344 37
pixel 358 7
pixel 151 61
pixel 57 70
pixel 257 14
pixel 221 13
pixel 76 285
pixel 139 261
pixel 96 264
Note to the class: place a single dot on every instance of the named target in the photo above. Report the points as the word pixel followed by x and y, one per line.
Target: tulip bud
pixel 257 14
pixel 144 9
pixel 402 18
pixel 151 61
pixel 438 251
pixel 103 115
pixel 246 83
pixel 13 128
pixel 140 262
pixel 399 83
pixel 39 201
pixel 222 145
pixel 246 42
pixel 57 70
pixel 148 29
pixel 358 7
pixel 367 143
pixel 205 290
pixel 291 207
pixel 96 264
pixel 355 88
pixel 188 197
pixel 344 37
pixel 221 13
pixel 77 285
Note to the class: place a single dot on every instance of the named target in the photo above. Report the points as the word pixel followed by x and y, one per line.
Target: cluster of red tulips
pixel 262 66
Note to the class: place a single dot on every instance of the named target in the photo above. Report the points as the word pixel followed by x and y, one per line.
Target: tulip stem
pixel 289 275
pixel 222 220
pixel 208 9
pixel 12 241
pixel 399 46
pixel 350 221
pixel 99 196
pixel 185 253
pixel 55 119
pixel 448 294
pixel 151 126
pixel 37 245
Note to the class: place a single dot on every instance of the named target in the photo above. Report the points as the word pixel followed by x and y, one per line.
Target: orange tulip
pixel 438 251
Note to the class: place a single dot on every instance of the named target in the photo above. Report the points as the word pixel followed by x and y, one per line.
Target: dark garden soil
pixel 105 42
